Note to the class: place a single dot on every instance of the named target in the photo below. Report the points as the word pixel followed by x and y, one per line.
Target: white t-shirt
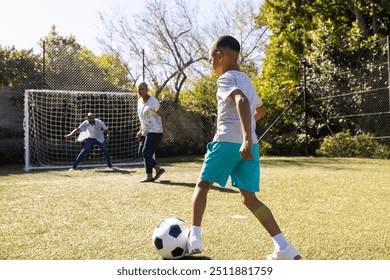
pixel 147 113
pixel 228 123
pixel 92 131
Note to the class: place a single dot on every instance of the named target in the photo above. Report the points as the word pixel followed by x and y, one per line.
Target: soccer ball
pixel 170 238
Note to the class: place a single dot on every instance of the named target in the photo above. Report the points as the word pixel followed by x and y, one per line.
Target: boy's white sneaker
pixel 194 245
pixel 289 253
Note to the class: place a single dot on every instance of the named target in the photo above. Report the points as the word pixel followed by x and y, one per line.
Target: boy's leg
pixel 220 160
pixel 283 250
pixel 261 212
pixel 199 201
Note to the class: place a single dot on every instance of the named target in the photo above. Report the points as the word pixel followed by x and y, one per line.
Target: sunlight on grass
pixel 329 208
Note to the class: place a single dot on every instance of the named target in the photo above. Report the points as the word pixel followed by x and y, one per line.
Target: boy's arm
pixel 261 111
pixel 244 113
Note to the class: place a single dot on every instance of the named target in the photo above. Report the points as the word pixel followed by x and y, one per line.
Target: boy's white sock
pixel 195 231
pixel 280 242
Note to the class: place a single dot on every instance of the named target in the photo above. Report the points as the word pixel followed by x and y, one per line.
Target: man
pixel 92 130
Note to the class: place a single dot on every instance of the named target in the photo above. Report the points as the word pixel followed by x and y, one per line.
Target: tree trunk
pixel 360 19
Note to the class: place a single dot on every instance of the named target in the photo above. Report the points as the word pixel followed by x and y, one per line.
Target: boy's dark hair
pixel 226 41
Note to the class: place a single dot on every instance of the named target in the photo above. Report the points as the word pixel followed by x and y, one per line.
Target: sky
pixel 24 22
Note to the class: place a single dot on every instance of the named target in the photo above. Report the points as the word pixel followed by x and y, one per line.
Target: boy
pixel 234 151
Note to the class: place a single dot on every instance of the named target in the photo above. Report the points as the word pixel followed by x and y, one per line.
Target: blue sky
pixel 24 22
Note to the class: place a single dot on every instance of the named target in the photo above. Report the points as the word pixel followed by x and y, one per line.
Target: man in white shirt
pixel 92 130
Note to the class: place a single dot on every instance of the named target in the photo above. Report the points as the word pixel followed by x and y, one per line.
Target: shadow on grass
pixel 328 163
pixel 322 162
pixel 115 171
pixel 13 170
pixel 167 160
pixel 192 185
pixel 16 170
pixel 195 258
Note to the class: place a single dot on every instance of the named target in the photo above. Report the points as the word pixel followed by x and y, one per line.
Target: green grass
pixel 329 208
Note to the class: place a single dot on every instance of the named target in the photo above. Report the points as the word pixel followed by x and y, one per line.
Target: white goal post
pixel 51 114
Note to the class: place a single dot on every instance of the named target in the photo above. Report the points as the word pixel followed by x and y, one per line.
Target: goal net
pixel 51 114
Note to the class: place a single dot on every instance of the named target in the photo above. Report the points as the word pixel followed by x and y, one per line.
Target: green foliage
pixel 280 75
pixel 114 71
pixel 11 149
pixel 264 148
pixel 202 97
pixel 187 132
pixel 69 66
pixel 165 94
pixel 361 145
pixel 6 133
pixel 289 144
pixel 20 69
pixel 334 36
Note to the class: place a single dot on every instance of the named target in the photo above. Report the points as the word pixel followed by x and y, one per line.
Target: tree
pixel 331 34
pixel 294 25
pixel 201 97
pixel 239 21
pixel 176 38
pixel 69 66
pixel 166 32
pixel 20 69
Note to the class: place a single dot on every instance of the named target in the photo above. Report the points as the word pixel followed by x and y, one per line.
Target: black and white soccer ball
pixel 170 238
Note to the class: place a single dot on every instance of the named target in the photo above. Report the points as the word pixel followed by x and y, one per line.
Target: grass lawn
pixel 329 208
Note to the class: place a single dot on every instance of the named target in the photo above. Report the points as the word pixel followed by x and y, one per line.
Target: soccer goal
pixel 51 114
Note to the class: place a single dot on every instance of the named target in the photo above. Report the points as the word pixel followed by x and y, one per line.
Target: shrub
pixel 359 145
pixel 289 144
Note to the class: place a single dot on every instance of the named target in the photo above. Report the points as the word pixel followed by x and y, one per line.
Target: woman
pixel 153 125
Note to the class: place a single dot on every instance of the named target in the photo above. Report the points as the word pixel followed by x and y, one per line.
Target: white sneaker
pixel 71 169
pixel 194 245
pixel 289 253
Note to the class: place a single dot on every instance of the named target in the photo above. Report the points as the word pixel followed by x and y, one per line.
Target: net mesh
pixel 49 115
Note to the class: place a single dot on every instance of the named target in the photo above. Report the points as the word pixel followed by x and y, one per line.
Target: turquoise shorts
pixel 223 159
